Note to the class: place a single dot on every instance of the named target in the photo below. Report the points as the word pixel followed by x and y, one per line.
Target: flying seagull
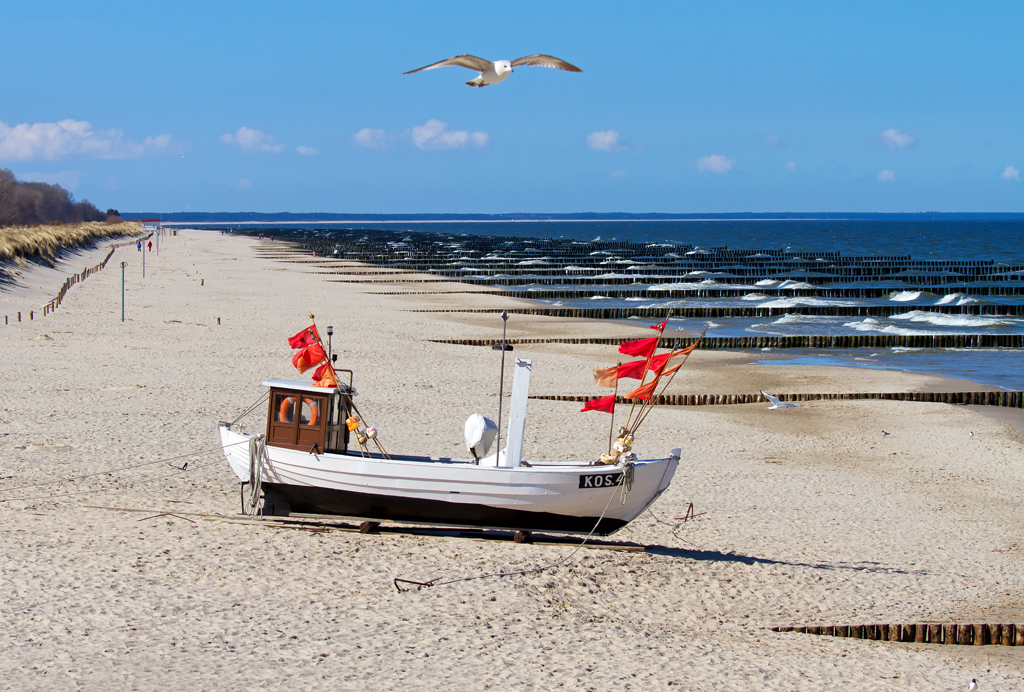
pixel 499 70
pixel 777 402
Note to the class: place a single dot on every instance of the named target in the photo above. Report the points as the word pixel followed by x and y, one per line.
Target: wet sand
pixel 812 516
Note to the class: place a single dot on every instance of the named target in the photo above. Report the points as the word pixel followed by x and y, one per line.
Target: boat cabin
pixel 308 418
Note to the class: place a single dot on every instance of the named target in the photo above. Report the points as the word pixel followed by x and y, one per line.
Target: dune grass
pixel 24 242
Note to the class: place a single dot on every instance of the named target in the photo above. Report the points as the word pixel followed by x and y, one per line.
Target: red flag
pixel 643 347
pixel 645 392
pixel 606 377
pixel 605 403
pixel 308 357
pixel 634 370
pixel 660 326
pixel 307 336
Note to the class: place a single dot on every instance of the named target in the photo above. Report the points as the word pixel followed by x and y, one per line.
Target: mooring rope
pixel 110 490
pixel 249 410
pixel 121 468
pixel 257 458
pixel 532 570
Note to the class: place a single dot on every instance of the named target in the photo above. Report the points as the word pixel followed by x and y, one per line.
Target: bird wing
pixel 541 60
pixel 470 61
pixel 774 399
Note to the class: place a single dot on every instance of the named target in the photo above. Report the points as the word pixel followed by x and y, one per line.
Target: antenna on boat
pixel 503 346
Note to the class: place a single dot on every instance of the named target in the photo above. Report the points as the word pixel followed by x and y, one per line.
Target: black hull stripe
pixel 313 500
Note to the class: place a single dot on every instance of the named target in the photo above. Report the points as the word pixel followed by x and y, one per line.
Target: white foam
pixel 941 320
pixel 599 298
pixel 794 318
pixel 905 296
pixel 958 299
pixel 808 301
pixel 754 296
pixel 872 325
pixel 788 283
pixel 767 282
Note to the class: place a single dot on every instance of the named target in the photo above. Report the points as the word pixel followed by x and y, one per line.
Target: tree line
pixel 28 204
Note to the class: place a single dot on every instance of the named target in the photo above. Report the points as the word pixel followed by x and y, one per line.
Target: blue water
pixel 999 240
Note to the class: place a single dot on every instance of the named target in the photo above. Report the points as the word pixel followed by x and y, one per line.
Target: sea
pixel 946 242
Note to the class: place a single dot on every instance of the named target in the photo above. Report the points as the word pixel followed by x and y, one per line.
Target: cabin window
pixel 285 407
pixel 311 412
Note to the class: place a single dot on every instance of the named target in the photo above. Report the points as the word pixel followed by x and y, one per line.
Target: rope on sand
pixel 109 471
pixel 532 570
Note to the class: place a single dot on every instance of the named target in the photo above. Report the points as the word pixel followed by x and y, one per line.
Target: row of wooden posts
pixel 75 279
pixel 923 633
pixel 1014 399
pixel 875 341
pixel 660 313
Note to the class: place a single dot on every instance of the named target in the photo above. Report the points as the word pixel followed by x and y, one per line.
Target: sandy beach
pixel 810 516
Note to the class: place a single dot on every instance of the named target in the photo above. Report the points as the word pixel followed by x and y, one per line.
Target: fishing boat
pixel 316 457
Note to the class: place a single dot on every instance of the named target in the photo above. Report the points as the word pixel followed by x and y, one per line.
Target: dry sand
pixel 812 515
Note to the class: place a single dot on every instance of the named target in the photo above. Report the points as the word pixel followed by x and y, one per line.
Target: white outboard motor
pixel 480 433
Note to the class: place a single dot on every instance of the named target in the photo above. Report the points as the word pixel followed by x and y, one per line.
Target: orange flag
pixel 324 376
pixel 658 363
pixel 644 392
pixel 607 377
pixel 671 370
pixel 308 357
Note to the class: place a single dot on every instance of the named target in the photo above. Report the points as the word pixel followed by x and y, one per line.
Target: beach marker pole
pixel 123 265
pixel 143 263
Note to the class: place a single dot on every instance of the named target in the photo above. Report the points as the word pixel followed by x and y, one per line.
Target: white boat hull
pixel 558 498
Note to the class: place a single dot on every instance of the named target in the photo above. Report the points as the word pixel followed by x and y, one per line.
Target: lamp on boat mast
pixel 330 333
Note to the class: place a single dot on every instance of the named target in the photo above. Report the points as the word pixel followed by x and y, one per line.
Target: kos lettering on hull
pixel 600 480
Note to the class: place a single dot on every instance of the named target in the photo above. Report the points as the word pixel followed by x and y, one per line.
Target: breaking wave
pixel 941 320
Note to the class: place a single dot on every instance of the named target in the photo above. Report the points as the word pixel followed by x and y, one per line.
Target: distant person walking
pixel 150 245
pixel 138 246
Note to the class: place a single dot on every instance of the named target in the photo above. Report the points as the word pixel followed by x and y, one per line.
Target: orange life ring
pixel 314 411
pixel 284 415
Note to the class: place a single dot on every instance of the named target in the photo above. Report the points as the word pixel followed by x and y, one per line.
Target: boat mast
pixel 501 380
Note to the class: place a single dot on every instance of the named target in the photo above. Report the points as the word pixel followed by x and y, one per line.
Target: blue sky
pixel 682 106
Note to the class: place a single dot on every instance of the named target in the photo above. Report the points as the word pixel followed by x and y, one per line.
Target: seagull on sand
pixel 777 402
pixel 499 70
pixel 973 686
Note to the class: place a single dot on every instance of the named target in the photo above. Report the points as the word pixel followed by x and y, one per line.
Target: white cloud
pixel 894 139
pixel 609 140
pixel 307 151
pixel 886 176
pixel 243 184
pixel 773 140
pixel 250 140
pixel 371 139
pixel 73 137
pixel 716 163
pixel 434 135
pixel 619 174
pixel 1010 173
pixel 791 166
